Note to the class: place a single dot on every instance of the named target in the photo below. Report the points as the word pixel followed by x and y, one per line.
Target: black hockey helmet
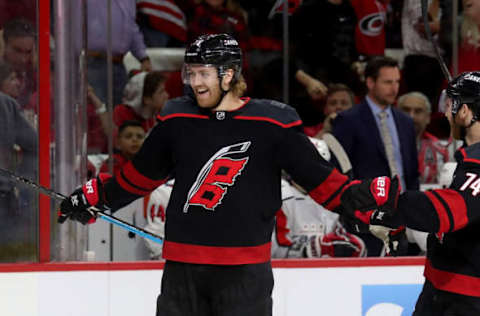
pixel 219 50
pixel 465 89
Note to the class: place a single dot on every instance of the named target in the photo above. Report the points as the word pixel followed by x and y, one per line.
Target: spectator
pixel 469 50
pixel 98 122
pixel 421 69
pixel 9 82
pixel 144 97
pixel 370 28
pixel 162 23
pixel 15 205
pixel 19 53
pixel 266 43
pixel 331 23
pixel 378 138
pixel 126 37
pixel 221 16
pixel 130 138
pixel 339 98
pixel 26 9
pixel 431 154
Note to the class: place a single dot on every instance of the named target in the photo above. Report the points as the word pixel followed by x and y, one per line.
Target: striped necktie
pixel 387 142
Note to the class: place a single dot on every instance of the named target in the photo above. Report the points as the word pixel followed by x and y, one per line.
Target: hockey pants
pixel 215 290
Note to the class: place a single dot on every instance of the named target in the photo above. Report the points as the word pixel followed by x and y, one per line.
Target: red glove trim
pixel 90 190
pixel 380 189
pixel 337 200
pixel 364 216
pixel 92 220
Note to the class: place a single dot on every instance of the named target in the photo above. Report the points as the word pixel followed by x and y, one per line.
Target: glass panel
pixel 18 130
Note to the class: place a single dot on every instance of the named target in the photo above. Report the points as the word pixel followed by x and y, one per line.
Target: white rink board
pixel 298 291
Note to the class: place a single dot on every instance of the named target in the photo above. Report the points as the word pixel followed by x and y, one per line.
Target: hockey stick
pixel 338 152
pixel 94 210
pixel 428 31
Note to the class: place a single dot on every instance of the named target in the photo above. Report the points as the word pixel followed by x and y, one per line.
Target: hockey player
pixel 304 229
pixel 452 268
pixel 226 154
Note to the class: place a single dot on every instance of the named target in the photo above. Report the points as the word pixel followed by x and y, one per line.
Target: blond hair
pixel 239 87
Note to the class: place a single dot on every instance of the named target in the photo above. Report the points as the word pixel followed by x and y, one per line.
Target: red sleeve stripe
pixel 328 192
pixel 441 212
pixel 139 180
pixel 267 119
pixel 127 186
pixel 456 205
pixel 282 229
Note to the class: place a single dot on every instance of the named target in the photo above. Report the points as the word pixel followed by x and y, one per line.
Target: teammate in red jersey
pixel 452 269
pixel 226 154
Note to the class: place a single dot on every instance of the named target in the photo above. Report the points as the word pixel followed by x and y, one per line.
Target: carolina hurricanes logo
pixel 215 176
pixel 372 24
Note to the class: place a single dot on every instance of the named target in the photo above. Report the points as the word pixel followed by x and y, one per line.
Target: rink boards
pixel 341 287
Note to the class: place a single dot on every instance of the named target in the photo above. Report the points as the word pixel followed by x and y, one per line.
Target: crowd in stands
pixel 340 81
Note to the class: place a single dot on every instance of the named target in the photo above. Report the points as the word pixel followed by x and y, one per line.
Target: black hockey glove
pixel 76 206
pixel 373 201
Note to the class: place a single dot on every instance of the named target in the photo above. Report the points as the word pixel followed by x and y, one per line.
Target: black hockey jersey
pixel 227 169
pixel 453 248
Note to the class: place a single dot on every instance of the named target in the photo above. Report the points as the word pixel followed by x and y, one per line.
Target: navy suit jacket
pixel 358 133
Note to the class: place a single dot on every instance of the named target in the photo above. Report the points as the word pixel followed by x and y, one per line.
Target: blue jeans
pixel 153 37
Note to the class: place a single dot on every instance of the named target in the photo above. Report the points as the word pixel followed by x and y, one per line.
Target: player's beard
pixel 210 99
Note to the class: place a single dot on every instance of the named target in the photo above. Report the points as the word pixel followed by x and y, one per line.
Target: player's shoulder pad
pixel 273 111
pixel 183 106
pixel 469 154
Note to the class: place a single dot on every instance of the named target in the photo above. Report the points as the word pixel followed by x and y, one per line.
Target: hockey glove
pixel 395 240
pixel 373 201
pixel 338 243
pixel 77 205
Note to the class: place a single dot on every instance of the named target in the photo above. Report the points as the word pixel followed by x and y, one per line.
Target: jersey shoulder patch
pixel 469 154
pixel 272 111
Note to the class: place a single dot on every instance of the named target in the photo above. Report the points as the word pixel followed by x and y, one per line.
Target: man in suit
pixel 378 138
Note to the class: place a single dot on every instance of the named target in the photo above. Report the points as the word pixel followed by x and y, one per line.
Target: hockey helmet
pixel 218 50
pixel 465 89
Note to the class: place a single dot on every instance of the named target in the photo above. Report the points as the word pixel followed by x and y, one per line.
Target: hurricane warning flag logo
pixel 219 173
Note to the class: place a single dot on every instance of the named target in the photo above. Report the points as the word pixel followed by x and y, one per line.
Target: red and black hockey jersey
pixel 227 169
pixel 453 249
